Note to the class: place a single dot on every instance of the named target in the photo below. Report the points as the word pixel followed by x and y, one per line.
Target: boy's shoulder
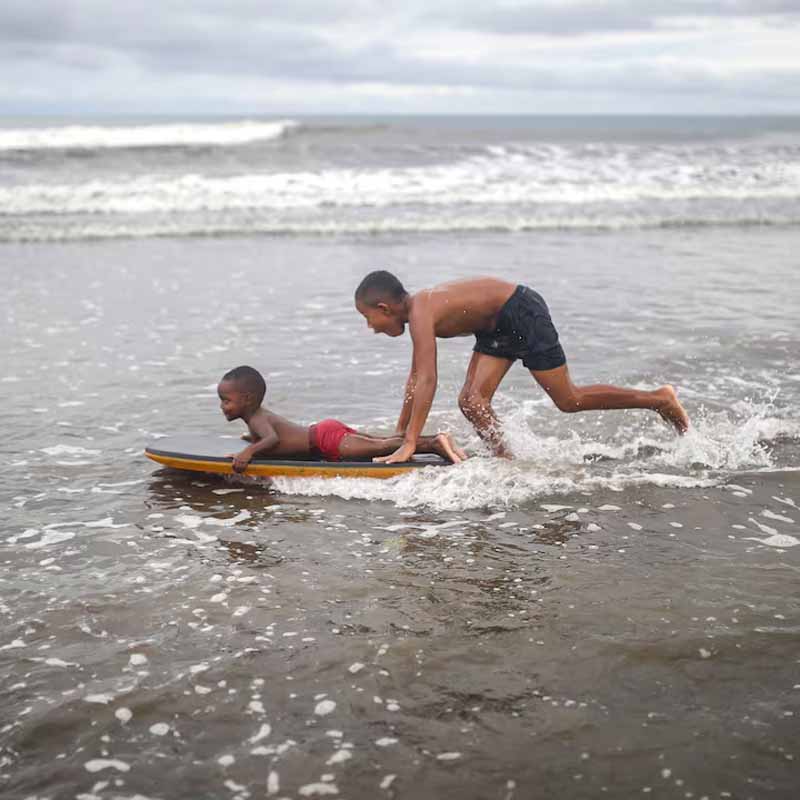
pixel 261 414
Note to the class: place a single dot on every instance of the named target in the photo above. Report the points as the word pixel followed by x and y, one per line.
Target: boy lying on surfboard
pixel 509 322
pixel 241 392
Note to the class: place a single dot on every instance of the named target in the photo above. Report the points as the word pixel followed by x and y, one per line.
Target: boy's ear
pixel 384 308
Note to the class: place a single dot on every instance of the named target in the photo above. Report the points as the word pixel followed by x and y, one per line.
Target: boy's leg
pixel 355 446
pixel 475 400
pixel 570 398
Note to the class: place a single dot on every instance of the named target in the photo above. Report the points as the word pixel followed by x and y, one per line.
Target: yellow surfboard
pixel 204 453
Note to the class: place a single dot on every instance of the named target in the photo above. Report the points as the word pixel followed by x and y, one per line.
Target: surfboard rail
pixel 204 453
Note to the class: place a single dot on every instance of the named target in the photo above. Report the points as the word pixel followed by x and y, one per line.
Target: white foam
pixel 68 450
pixel 477 483
pixel 58 662
pixel 51 537
pixel 324 707
pixel 263 732
pixel 716 447
pixel 231 521
pixel 159 729
pixel 777 517
pixel 98 764
pixel 317 789
pixel 97 137
pixel 777 540
pixel 557 177
pixel 103 699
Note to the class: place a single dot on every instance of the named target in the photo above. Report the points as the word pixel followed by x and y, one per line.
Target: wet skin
pixel 267 431
pixel 465 307
pixel 273 434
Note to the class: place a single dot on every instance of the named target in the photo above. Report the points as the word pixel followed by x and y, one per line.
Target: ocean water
pixel 615 613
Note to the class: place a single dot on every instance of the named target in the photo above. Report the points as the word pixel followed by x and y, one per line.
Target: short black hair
pixel 380 285
pixel 249 379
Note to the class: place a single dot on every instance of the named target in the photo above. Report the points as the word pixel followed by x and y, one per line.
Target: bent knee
pixel 471 403
pixel 569 403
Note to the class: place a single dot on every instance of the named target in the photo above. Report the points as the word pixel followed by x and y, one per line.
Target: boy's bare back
pixel 292 438
pixel 510 323
pixel 460 308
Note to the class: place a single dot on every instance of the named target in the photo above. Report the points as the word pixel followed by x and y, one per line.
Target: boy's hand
pixel 403 453
pixel 240 461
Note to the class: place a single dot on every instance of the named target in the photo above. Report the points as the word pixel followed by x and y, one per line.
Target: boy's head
pixel 241 391
pixel 381 299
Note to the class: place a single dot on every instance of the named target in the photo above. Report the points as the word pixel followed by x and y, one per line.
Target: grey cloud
pixel 25 22
pixel 589 16
pixel 332 41
pixel 198 37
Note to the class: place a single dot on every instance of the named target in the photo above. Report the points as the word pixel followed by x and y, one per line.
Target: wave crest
pixel 96 137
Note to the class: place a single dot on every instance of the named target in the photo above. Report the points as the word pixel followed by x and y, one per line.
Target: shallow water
pixel 614 614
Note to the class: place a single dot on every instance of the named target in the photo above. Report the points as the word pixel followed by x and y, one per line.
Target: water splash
pixel 719 444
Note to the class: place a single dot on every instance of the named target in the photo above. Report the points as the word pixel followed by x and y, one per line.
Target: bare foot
pixel 459 451
pixel 672 411
pixel 447 448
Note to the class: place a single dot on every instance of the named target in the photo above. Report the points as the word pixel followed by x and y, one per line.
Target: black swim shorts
pixel 524 330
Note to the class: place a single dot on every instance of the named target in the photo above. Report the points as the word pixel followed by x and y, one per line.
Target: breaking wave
pixel 508 188
pixel 95 137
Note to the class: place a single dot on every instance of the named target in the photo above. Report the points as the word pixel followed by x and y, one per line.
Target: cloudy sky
pixel 333 56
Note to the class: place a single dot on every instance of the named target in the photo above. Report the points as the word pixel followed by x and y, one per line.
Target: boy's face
pixel 382 318
pixel 232 400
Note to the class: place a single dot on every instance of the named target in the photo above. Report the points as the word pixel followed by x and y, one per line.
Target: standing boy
pixel 508 322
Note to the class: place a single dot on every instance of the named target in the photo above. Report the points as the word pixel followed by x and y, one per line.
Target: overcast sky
pixel 336 56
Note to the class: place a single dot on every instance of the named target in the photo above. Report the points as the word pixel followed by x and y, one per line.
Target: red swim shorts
pixel 325 438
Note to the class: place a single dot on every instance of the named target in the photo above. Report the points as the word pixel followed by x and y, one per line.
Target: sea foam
pixel 718 446
pixel 92 137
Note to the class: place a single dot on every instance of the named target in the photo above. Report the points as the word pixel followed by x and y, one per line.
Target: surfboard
pixel 207 453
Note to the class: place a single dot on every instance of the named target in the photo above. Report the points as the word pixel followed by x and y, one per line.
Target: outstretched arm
pixel 408 402
pixel 267 439
pixel 423 369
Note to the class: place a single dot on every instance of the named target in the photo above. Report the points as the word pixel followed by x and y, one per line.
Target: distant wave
pixel 92 137
pixel 502 188
pixel 51 230
pixel 545 176
pixel 287 192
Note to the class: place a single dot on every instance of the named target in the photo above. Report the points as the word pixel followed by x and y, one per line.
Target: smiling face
pixel 383 317
pixel 232 400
